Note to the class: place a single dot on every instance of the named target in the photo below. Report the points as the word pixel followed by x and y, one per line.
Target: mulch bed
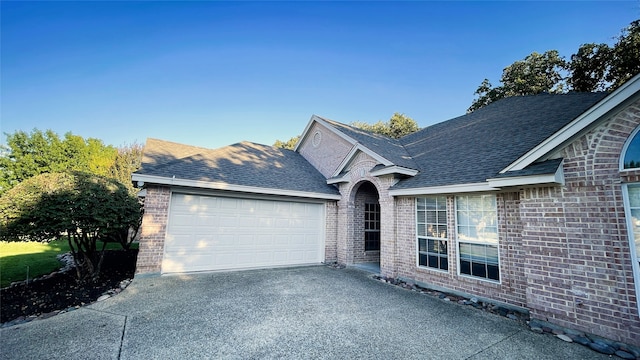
pixel 61 291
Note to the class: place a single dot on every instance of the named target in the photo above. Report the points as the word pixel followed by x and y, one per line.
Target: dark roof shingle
pixel 390 149
pixel 477 146
pixel 244 164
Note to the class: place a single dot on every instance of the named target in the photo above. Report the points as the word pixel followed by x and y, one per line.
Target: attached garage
pixel 206 233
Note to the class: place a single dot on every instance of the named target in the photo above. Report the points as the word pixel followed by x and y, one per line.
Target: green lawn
pixel 19 259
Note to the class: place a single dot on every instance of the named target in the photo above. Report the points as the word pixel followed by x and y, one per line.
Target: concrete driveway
pixel 308 312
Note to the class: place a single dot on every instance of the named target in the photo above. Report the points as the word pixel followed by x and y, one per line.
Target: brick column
pixel 154 228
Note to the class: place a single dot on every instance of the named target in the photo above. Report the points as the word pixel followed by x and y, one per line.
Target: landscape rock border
pixel 594 342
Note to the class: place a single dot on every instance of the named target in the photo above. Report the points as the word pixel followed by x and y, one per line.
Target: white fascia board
pixel 592 114
pixel 337 180
pixel 446 189
pixel 395 170
pixel 230 187
pixel 556 178
pixel 321 121
pixel 352 153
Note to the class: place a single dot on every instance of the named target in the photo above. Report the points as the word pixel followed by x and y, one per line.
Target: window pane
pixel 492 254
pixel 465 267
pixel 444 263
pixel 478 269
pixel 432 223
pixel 421 204
pixel 634 196
pixel 479 260
pixel 462 203
pixel 632 156
pixel 634 202
pixel 432 217
pixel 463 217
pixel 493 272
pixel 433 261
pixel 465 251
pixel 422 217
pixel 422 244
pixel 441 247
pixel 422 260
pixel 488 202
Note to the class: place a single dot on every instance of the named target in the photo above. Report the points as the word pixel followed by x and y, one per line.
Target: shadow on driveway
pixel 306 312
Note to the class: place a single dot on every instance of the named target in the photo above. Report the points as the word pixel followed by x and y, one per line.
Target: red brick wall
pixel 328 154
pixel 154 228
pixel 331 232
pixel 578 263
pixel 511 288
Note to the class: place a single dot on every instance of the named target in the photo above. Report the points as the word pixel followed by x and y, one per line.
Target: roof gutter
pixel 556 178
pixel 217 185
pixel 446 189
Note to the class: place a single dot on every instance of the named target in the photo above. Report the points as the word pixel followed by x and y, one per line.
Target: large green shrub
pixel 83 207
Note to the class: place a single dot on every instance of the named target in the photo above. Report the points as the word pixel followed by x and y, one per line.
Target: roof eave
pixel 445 189
pixel 556 178
pixel 352 153
pixel 394 169
pixel 217 185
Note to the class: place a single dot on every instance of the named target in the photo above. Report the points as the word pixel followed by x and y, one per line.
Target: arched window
pixel 631 157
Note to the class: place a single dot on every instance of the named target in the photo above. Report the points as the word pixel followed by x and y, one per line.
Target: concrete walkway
pixel 299 313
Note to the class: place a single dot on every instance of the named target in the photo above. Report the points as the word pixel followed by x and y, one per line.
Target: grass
pixel 19 259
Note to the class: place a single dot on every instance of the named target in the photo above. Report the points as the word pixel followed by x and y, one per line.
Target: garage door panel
pixel 216 233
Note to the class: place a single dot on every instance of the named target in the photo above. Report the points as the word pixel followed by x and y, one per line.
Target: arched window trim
pixel 625 148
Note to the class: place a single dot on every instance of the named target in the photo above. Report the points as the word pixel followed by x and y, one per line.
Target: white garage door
pixel 219 233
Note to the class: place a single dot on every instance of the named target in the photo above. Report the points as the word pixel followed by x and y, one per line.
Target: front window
pixel 371 227
pixel 477 234
pixel 632 153
pixel 432 232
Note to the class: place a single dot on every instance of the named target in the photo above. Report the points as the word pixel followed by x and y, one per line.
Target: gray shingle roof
pixel 476 146
pixel 245 164
pixel 390 149
pixel 541 168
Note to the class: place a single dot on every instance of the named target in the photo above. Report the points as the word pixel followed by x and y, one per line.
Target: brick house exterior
pixel 525 203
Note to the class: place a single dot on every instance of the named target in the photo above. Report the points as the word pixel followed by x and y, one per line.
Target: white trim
pixel 446 189
pixel 217 185
pixel 632 245
pixel 417 238
pixel 556 178
pixel 352 153
pixel 395 169
pixel 458 241
pixel 592 114
pixel 337 180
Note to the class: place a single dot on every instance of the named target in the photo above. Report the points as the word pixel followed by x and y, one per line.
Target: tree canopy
pixel 83 207
pixel 594 67
pixel 30 154
pixel 398 126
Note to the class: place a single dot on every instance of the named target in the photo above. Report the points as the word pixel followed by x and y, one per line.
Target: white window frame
pixel 632 245
pixel 625 148
pixel 447 239
pixel 635 259
pixel 458 241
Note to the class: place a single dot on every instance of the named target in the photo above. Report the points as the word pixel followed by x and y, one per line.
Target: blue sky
pixel 214 73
